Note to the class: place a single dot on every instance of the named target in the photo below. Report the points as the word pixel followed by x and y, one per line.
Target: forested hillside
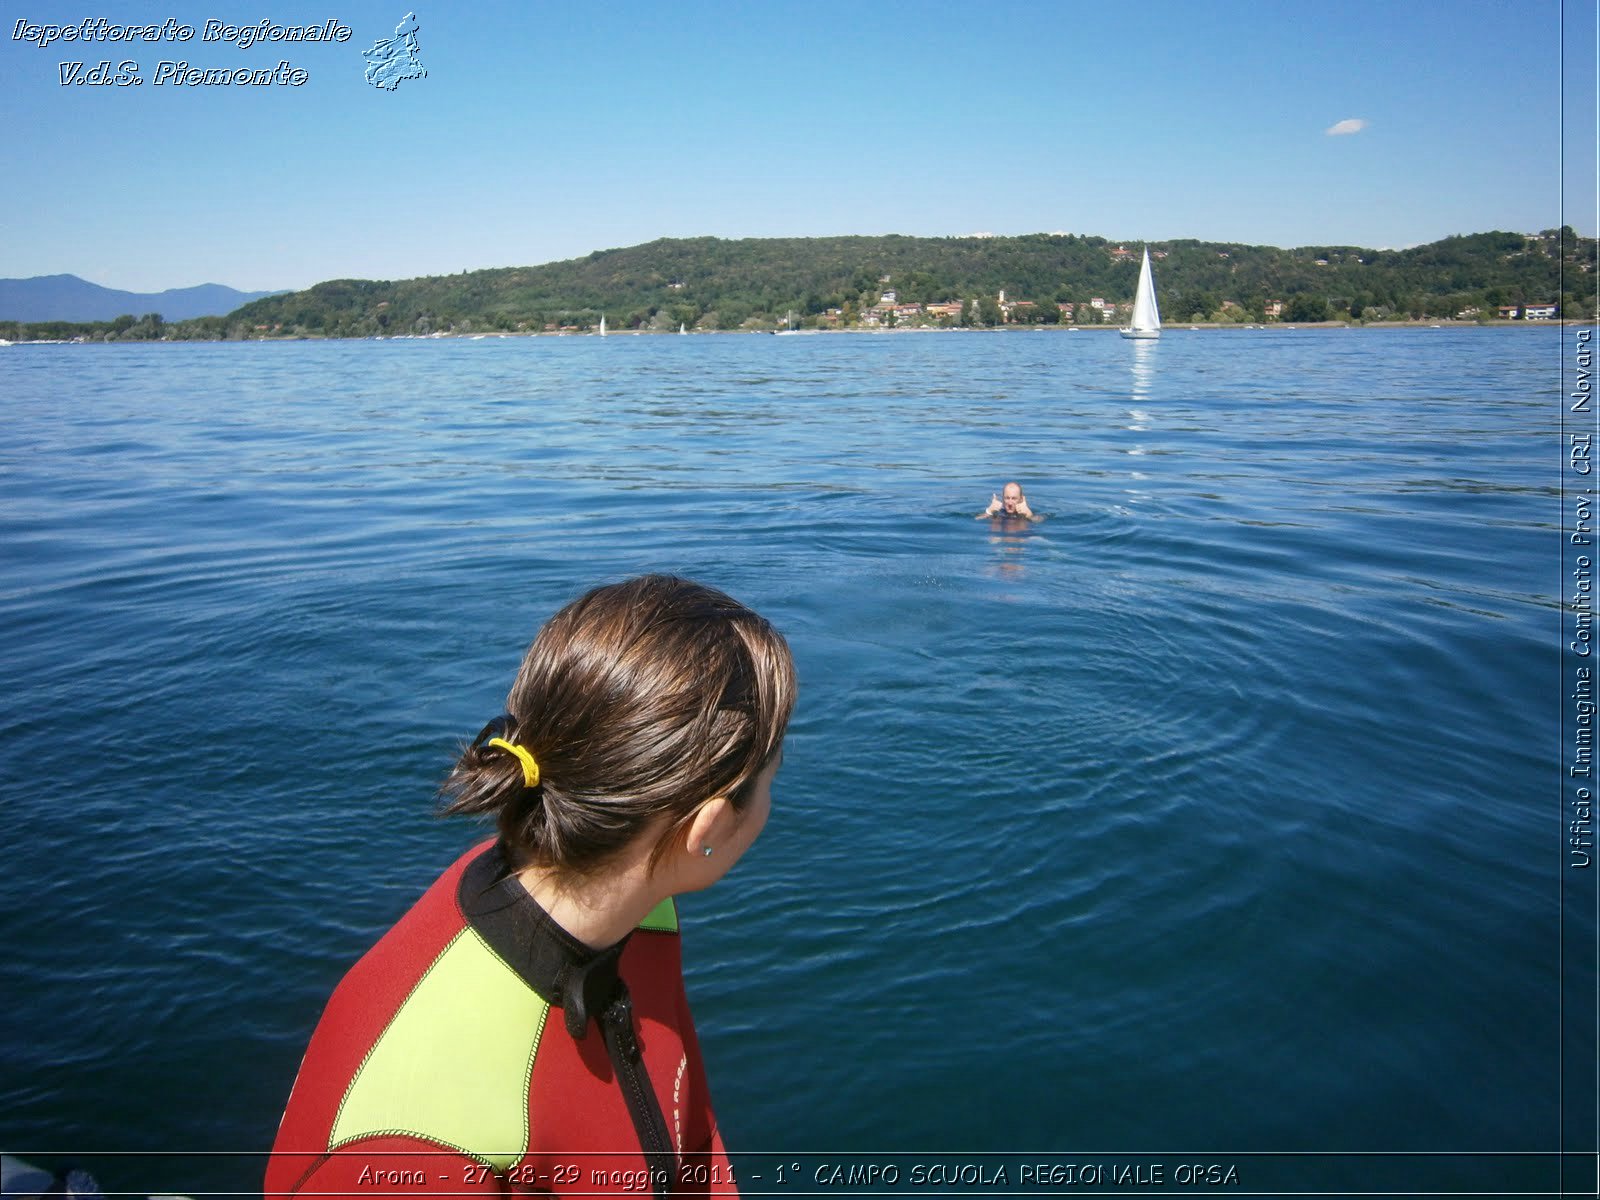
pixel 714 283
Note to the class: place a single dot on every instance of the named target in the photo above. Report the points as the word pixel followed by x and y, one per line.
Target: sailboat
pixel 1146 321
pixel 681 329
pixel 602 324
pixel 788 325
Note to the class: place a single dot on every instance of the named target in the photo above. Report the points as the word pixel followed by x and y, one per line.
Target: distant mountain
pixel 68 298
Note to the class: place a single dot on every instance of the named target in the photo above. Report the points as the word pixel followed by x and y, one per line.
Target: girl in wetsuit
pixel 524 1027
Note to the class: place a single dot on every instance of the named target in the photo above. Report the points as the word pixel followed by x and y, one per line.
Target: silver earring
pixel 706 851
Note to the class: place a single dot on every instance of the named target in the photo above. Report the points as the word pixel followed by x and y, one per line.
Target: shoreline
pixel 1187 327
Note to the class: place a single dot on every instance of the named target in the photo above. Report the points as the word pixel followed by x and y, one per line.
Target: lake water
pixel 1216 815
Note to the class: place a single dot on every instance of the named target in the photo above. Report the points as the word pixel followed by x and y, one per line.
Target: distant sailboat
pixel 788 324
pixel 681 329
pixel 1146 321
pixel 602 324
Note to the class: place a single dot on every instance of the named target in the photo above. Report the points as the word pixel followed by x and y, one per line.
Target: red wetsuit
pixel 478 1048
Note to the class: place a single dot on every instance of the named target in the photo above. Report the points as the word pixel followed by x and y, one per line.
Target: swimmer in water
pixel 1010 503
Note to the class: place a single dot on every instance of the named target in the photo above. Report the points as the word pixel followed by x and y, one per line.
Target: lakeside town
pixel 891 312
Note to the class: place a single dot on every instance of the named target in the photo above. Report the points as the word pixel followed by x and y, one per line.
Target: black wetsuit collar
pixel 581 981
pixel 574 977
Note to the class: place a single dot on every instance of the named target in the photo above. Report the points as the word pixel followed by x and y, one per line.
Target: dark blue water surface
pixel 1216 812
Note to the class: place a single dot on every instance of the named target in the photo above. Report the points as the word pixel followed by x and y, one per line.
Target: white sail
pixel 1146 321
pixel 602 324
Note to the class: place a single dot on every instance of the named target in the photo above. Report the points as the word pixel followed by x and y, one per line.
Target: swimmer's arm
pixel 994 507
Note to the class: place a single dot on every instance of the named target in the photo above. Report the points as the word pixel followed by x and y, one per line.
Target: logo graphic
pixel 392 59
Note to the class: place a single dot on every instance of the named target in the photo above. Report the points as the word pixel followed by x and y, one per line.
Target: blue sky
pixel 544 131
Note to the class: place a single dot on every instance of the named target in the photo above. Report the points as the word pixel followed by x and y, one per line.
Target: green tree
pixel 1304 308
pixel 1199 305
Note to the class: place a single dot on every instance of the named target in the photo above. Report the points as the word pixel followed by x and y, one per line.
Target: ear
pixel 710 825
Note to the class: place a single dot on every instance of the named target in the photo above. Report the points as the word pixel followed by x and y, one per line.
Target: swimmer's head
pixel 1011 497
pixel 639 701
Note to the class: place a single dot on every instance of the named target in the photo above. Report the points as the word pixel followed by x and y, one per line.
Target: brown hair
pixel 637 699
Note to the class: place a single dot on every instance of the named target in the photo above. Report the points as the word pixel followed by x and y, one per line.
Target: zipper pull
pixel 619 1017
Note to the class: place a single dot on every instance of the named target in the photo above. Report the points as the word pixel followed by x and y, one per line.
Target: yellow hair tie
pixel 530 769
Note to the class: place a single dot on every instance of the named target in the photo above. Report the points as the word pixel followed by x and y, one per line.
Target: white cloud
pixel 1353 125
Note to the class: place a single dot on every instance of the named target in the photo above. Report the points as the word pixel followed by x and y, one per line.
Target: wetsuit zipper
pixel 616 1023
